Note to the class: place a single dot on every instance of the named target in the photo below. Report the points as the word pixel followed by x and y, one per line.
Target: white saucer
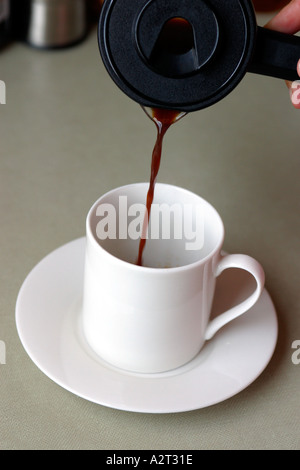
pixel 47 313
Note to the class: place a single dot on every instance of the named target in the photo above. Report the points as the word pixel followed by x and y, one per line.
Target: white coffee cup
pixel 156 317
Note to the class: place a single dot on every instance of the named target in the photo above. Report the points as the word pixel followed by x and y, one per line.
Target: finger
pixel 295 94
pixel 294 88
pixel 287 20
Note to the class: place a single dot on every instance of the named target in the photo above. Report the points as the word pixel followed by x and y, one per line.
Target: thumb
pixel 294 88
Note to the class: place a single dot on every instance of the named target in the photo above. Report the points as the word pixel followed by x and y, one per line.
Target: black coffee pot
pixel 189 54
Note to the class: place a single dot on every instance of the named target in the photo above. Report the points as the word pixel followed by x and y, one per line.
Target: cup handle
pixel 246 263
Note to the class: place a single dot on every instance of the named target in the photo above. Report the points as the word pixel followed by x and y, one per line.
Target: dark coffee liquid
pixel 269 5
pixel 163 119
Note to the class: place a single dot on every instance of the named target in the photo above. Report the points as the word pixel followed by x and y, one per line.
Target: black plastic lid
pixel 179 54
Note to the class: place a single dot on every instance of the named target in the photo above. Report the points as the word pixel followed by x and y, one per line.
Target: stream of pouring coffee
pixel 175 41
pixel 163 119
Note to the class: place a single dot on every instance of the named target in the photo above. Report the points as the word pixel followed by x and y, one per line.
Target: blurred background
pixel 60 23
pixel 68 135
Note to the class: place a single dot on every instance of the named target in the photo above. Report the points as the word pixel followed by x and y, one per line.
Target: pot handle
pixel 276 54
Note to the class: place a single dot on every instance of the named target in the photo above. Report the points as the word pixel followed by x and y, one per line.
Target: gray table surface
pixel 67 135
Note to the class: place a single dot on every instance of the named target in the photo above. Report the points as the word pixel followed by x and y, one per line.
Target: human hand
pixel 288 21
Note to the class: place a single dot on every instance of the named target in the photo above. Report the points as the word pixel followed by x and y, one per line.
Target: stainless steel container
pixel 55 23
pixel 5 23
